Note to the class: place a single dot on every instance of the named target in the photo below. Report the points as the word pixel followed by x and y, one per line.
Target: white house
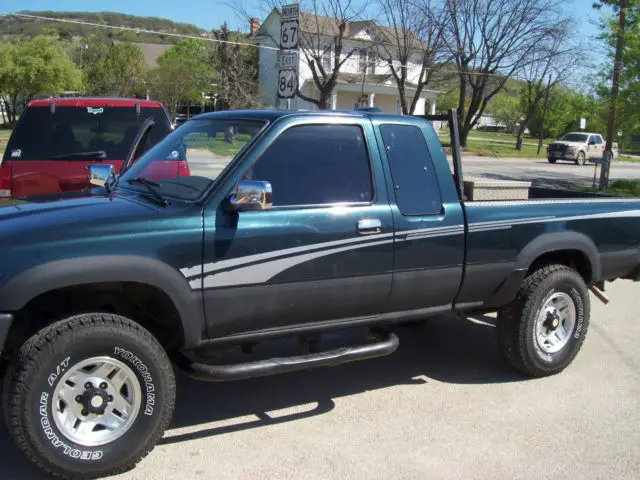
pixel 365 79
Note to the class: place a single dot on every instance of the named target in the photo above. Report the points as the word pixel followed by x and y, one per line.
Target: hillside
pixel 11 25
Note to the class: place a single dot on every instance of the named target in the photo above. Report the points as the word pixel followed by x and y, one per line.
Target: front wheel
pixel 543 329
pixel 581 159
pixel 89 396
pixel 551 160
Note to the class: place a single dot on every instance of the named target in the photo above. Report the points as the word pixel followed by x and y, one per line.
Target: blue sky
pixel 210 14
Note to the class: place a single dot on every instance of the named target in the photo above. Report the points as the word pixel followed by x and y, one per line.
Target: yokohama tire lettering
pixel 146 376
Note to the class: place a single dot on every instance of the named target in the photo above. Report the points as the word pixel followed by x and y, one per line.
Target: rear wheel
pixel 543 329
pixel 581 159
pixel 551 160
pixel 89 396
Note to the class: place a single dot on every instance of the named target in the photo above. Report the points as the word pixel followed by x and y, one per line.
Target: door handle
pixel 367 226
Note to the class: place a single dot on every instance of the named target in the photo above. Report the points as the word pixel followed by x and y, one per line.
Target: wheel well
pixel 143 303
pixel 575 259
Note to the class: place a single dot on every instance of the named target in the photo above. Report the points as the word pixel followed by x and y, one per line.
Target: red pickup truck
pixel 55 139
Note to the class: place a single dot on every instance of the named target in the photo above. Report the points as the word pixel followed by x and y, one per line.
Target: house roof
pixel 329 27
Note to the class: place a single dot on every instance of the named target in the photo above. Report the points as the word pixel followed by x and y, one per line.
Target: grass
pixel 620 188
pixel 5 133
pixel 626 158
pixel 217 145
pixel 501 150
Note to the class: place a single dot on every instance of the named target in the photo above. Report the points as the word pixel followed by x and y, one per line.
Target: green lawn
pixel 506 150
pixel 622 188
pixel 626 158
pixel 5 133
pixel 217 145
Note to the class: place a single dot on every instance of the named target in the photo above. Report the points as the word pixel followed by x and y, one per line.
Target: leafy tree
pixel 184 72
pixel 35 67
pixel 507 109
pixel 113 69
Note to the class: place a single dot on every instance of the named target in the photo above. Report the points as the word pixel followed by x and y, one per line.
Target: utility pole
pixel 544 114
pixel 615 80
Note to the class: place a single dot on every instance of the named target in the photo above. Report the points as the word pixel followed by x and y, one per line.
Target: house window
pixel 326 60
pixel 367 62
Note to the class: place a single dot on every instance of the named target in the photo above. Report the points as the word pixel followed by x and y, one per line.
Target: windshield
pixel 81 133
pixel 575 137
pixel 202 148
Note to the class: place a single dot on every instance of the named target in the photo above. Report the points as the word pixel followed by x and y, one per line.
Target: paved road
pixel 541 172
pixel 444 406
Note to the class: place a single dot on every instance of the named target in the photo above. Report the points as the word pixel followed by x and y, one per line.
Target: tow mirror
pixel 100 173
pixel 252 195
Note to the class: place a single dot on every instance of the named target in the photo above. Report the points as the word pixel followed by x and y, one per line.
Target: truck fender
pixel 557 241
pixel 24 287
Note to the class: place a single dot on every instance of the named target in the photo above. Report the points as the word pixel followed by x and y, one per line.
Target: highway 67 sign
pixel 288 63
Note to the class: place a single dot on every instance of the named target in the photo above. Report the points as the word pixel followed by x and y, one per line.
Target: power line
pixel 230 42
pixel 136 30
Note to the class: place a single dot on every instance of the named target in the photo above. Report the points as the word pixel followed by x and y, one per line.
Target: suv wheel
pixel 543 329
pixel 89 396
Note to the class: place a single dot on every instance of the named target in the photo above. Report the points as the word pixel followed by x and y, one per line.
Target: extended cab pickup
pixel 290 224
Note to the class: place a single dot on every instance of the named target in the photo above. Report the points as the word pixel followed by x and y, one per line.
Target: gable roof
pixel 329 27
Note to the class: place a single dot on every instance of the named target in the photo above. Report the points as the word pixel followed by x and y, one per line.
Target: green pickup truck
pixel 290 224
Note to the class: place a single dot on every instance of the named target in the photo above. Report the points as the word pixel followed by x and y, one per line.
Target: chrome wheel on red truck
pixel 89 396
pixel 543 329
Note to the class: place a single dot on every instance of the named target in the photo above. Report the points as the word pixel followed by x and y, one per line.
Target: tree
pixel 549 63
pixel 490 42
pixel 238 71
pixel 416 35
pixel 184 72
pixel 35 67
pixel 113 68
pixel 507 109
pixel 322 34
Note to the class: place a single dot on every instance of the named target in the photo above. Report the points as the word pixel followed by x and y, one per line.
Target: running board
pixel 387 344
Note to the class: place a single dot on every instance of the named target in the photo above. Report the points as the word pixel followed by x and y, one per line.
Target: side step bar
pixel 387 344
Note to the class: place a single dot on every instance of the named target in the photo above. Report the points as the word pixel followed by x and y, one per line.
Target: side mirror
pixel 100 173
pixel 252 195
pixel 592 142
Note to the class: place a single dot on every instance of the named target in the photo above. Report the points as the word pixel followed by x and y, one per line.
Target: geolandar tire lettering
pixel 98 368
pixel 543 329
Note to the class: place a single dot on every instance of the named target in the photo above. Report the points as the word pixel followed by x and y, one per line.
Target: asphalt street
pixel 443 406
pixel 540 172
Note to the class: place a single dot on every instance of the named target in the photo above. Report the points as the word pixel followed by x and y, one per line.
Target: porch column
pixel 432 107
pixel 334 101
pixel 372 97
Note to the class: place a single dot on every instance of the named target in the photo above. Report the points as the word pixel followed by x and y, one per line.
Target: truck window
pixel 316 165
pixel 414 178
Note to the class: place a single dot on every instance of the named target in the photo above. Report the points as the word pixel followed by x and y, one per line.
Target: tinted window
pixel 316 164
pixel 575 137
pixel 598 139
pixel 414 178
pixel 41 135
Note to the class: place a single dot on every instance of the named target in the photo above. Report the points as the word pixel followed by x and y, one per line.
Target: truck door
pixel 429 242
pixel 325 249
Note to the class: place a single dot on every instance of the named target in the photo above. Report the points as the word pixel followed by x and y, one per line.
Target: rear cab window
pixel 414 179
pixel 69 131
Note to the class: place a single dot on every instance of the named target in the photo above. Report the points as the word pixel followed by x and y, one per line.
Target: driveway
pixel 443 406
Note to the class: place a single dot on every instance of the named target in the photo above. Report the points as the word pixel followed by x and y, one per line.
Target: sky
pixel 210 14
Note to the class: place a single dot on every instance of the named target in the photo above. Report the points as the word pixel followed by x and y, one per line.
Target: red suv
pixel 55 139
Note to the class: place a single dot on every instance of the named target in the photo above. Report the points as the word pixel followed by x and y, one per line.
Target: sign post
pixel 288 61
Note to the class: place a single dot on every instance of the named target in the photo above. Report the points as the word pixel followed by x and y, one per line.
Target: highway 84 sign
pixel 287 82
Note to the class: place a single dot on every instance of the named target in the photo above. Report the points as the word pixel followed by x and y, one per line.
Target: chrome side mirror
pixel 100 173
pixel 252 195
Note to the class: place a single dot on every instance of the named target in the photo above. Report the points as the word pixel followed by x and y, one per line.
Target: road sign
pixel 287 82
pixel 583 123
pixel 289 41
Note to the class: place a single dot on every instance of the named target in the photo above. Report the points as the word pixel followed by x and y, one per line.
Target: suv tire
pixel 89 396
pixel 543 329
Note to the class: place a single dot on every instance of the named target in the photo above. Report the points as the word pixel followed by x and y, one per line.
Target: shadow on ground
pixel 446 349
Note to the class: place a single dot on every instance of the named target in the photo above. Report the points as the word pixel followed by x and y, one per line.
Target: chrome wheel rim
pixel 96 401
pixel 555 323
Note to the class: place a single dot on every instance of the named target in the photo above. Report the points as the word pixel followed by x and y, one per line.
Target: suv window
pixel 316 165
pixel 73 130
pixel 414 178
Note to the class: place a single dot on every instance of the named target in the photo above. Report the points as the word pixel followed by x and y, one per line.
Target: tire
pixel 50 362
pixel 552 160
pixel 581 159
pixel 522 324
